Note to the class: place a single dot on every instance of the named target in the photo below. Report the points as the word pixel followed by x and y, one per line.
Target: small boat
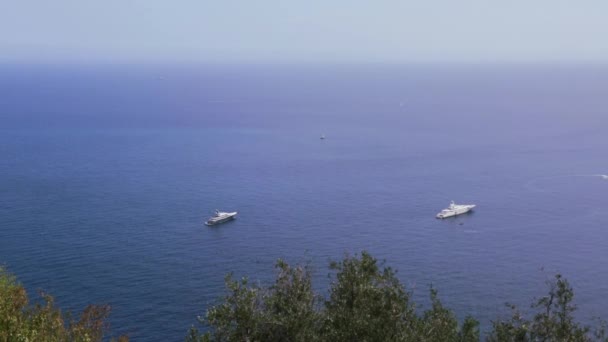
pixel 455 209
pixel 322 136
pixel 220 217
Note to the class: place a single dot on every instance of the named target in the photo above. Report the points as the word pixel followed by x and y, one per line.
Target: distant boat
pixel 220 217
pixel 322 136
pixel 455 209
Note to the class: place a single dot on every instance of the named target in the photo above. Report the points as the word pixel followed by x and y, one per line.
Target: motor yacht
pixel 220 217
pixel 455 209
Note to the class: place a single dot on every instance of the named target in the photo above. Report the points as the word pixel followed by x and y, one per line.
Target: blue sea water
pixel 107 174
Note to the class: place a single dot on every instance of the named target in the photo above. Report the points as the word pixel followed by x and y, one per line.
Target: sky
pixel 315 31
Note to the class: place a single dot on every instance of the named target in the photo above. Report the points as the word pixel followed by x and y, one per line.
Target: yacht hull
pixel 216 221
pixel 455 212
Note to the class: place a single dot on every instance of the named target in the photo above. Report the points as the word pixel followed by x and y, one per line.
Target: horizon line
pixel 342 64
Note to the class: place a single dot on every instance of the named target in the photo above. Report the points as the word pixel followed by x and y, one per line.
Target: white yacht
pixel 220 217
pixel 455 209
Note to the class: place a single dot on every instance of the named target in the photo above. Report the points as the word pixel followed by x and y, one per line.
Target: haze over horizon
pixel 470 31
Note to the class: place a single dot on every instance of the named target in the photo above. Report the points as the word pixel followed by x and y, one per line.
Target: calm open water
pixel 107 174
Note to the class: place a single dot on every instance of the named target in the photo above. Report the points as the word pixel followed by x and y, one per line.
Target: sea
pixel 108 172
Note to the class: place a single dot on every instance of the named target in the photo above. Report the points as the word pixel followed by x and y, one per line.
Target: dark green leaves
pixel 367 302
pixel 553 321
pixel 20 321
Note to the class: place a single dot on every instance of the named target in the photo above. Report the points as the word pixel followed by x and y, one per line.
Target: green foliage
pixel 290 313
pixel 20 321
pixel 553 321
pixel 239 316
pixel 283 312
pixel 366 302
pixel 440 324
pixel 513 330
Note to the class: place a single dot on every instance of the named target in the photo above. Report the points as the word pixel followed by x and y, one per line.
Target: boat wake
pixel 531 184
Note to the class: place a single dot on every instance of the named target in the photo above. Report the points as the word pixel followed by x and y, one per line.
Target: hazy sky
pixel 306 30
